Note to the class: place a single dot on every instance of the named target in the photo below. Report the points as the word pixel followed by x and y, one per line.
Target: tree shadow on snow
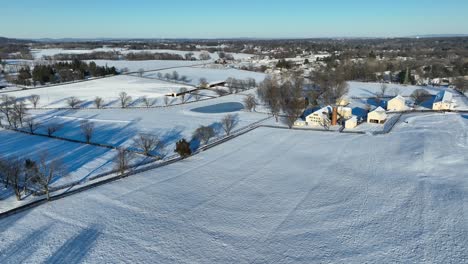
pixel 75 249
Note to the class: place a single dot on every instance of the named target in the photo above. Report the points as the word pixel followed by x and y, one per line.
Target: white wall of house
pixel 396 104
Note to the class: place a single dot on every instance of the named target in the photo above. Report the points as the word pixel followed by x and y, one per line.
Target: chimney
pixel 334 120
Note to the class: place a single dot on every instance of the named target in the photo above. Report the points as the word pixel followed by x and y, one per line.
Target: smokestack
pixel 334 120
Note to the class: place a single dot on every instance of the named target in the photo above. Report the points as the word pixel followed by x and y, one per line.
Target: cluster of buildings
pixel 343 114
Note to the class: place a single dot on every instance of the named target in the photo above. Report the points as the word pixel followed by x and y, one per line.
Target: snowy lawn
pixel 147 65
pixel 211 74
pixel 107 88
pixel 80 160
pixel 271 196
pixel 118 127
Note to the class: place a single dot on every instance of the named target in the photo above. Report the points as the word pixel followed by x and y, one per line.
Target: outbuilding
pixel 398 103
pixel 443 101
pixel 378 116
pixel 352 122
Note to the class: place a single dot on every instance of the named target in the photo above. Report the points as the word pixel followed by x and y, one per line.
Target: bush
pixel 183 148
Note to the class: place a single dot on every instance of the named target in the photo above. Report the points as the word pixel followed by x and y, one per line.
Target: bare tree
pixel 220 92
pixel 141 71
pixel 461 84
pixel 20 111
pixel 204 133
pixel 160 75
pixel 147 143
pixel 331 83
pixel 87 128
pixel 98 102
pixel 52 128
pixel 166 100
pixel 293 109
pixel 383 89
pixel 203 83
pixel 73 102
pixel 125 99
pixel 229 122
pixel 47 171
pixel 11 172
pixel 34 99
pixel 148 102
pixel 175 75
pixel 6 107
pixel 269 92
pixel 420 95
pixel 204 55
pixel 123 160
pixel 250 103
pixel 183 93
pixel 32 124
pixel 196 95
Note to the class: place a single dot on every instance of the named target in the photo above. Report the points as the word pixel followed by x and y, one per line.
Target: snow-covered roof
pixel 443 96
pixel 327 109
pixel 399 98
pixel 379 110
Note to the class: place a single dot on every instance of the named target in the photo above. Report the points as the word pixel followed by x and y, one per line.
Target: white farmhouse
pixel 443 101
pixel 378 116
pixel 319 117
pixel 398 103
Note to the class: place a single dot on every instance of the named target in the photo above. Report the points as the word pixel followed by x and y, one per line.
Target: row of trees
pixel 286 96
pixel 134 56
pixel 203 134
pixel 62 72
pixel 23 175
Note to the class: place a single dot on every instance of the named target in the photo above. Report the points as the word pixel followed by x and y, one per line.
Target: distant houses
pixel 443 101
pixel 378 116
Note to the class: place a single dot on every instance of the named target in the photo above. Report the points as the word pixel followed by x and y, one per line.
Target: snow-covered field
pixel 80 160
pixel 40 53
pixel 212 74
pixel 107 88
pixel 119 126
pixel 271 196
pixel 147 65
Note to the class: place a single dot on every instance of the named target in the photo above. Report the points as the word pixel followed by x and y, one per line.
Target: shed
pixel 378 116
pixel 398 103
pixel 352 122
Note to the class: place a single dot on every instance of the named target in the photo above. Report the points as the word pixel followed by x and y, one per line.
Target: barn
pixel 443 101
pixel 378 116
pixel 398 103
pixel 319 117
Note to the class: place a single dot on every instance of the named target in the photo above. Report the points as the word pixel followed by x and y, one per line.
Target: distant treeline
pixel 62 72
pixel 110 55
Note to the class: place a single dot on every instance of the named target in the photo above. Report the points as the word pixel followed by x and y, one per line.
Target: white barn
pixel 443 101
pixel 319 117
pixel 398 103
pixel 378 116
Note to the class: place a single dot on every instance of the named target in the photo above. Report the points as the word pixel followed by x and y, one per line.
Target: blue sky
pixel 231 18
